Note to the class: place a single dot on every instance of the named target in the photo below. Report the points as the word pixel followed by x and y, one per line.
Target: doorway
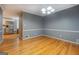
pixel 10 29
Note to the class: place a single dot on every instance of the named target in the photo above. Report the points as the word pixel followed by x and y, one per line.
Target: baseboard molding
pixel 52 37
pixel 32 37
pixel 61 39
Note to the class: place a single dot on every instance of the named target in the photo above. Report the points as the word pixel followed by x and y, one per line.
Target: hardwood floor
pixel 10 36
pixel 39 46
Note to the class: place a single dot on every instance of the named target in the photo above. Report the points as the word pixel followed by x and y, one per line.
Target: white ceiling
pixel 36 8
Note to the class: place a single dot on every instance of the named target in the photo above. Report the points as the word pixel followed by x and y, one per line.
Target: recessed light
pixel 43 9
pixel 49 8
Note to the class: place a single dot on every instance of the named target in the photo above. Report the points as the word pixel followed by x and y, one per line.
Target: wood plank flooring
pixel 41 45
pixel 10 36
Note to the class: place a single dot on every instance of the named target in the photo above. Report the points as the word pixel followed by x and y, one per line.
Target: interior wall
pixel 1 31
pixel 63 24
pixel 32 25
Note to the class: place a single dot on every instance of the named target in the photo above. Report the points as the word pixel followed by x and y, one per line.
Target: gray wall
pixel 32 25
pixel 1 26
pixel 65 23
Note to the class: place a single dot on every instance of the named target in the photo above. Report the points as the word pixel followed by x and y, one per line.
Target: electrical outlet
pixel 26 36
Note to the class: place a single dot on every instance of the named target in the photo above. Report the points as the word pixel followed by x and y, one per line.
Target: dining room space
pixel 39 29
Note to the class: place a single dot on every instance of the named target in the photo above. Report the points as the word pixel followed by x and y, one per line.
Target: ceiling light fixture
pixel 52 10
pixel 43 9
pixel 44 12
pixel 47 10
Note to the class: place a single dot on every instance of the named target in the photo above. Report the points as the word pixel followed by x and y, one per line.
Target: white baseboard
pixel 32 37
pixel 61 39
pixel 51 37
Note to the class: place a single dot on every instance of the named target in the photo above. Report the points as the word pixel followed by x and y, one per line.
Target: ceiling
pixel 36 8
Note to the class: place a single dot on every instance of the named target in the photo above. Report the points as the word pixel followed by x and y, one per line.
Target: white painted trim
pixel 61 39
pixel 32 37
pixel 51 37
pixel 32 29
pixel 53 30
pixel 62 30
